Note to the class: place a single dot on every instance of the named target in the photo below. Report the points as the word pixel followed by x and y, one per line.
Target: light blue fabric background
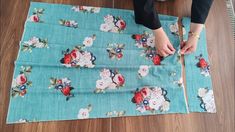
pixel 193 77
pixel 43 104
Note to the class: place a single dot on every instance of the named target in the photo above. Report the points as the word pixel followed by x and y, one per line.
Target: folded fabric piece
pixel 79 62
pixel 197 69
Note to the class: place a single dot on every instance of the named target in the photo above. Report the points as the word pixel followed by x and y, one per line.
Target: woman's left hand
pixel 189 46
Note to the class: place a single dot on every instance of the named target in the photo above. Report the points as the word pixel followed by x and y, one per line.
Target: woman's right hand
pixel 162 43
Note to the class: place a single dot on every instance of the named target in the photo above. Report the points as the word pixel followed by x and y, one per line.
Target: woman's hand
pixel 190 45
pixel 162 43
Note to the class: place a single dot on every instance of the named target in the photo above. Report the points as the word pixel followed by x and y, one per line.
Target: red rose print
pixel 67 58
pixel 120 55
pixel 59 81
pixel 138 98
pixel 137 37
pixel 121 79
pixel 156 60
pixel 35 18
pixel 123 25
pixel 66 91
pixel 63 85
pixel 202 63
pixel 23 79
pixel 74 54
pixel 23 92
pixel 147 107
pixel 144 91
pixel 67 23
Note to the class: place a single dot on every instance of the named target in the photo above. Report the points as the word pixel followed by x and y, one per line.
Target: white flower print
pixel 151 41
pixel 113 28
pixel 104 27
pixel 116 113
pixel 109 80
pixel 86 9
pixel 105 73
pixel 156 92
pixel 141 109
pixel 88 41
pixel 207 99
pixel 113 24
pixel 143 70
pixel 68 23
pixel 151 99
pixel 179 82
pixel 165 106
pixel 174 28
pixel 84 112
pixel 104 83
pixel 100 84
pixel 156 102
pixel 22 121
pixel 202 92
pixel 78 57
pixel 108 19
pixel 96 9
pixel 34 42
pixel 76 8
pixel 205 72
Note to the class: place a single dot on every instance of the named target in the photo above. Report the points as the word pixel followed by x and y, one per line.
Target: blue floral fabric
pixel 197 69
pixel 79 62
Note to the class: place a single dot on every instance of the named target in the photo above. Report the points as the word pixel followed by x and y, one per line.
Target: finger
pixel 170 46
pixel 162 53
pixel 186 47
pixel 188 51
pixel 168 51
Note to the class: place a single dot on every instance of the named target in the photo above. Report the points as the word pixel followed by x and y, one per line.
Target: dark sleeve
pixel 146 14
pixel 200 10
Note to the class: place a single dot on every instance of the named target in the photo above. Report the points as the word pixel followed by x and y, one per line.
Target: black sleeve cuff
pixel 146 14
pixel 200 10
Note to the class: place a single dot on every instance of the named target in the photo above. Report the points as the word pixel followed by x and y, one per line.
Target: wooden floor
pixel 221 51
